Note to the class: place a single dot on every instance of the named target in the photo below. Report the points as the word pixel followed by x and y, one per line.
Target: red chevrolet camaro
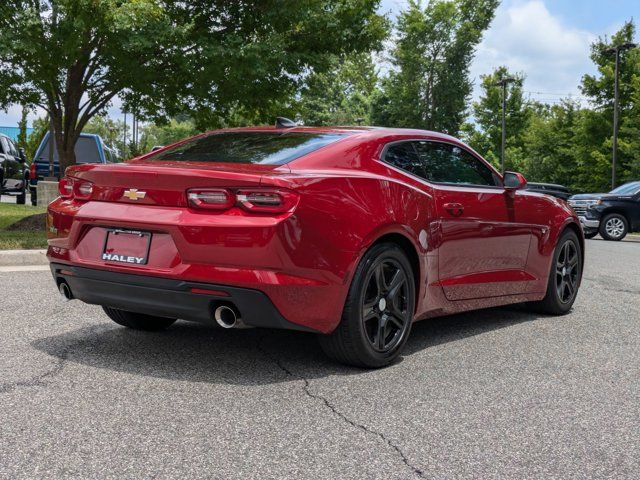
pixel 351 233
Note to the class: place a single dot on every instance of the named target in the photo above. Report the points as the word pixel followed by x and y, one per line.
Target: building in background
pixel 13 132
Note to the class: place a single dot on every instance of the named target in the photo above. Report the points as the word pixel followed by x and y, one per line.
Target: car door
pixel 482 250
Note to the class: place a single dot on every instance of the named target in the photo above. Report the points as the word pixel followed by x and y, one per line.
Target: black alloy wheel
pixel 565 276
pixel 567 271
pixel 378 312
pixel 385 309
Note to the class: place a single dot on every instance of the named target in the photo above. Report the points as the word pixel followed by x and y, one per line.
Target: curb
pixel 13 258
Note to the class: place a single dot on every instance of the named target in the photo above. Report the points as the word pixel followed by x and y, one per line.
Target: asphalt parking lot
pixel 500 393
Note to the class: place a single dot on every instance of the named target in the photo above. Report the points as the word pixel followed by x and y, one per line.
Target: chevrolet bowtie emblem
pixel 134 194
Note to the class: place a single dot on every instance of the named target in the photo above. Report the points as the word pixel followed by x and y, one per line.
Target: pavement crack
pixel 325 401
pixel 37 380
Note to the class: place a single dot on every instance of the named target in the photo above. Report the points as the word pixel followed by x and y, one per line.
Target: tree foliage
pixel 341 95
pixel 208 58
pixel 429 86
pixel 568 143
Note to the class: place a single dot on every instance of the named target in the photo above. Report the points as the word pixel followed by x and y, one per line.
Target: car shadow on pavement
pixel 198 353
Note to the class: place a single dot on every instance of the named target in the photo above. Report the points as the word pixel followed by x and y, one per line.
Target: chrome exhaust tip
pixel 65 291
pixel 225 316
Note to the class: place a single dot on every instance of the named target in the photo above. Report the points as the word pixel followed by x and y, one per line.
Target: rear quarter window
pixel 267 148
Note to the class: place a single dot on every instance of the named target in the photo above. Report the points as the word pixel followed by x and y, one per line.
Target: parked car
pixel 612 214
pixel 14 173
pixel 350 233
pixel 558 191
pixel 89 149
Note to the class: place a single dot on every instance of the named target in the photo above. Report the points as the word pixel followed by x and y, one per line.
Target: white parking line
pixel 25 268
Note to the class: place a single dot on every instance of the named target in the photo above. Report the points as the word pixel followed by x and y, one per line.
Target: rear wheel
pixel 614 227
pixel 138 321
pixel 564 277
pixel 376 320
pixel 21 199
pixel 34 197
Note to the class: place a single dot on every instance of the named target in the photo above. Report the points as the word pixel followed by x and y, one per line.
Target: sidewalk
pixel 15 258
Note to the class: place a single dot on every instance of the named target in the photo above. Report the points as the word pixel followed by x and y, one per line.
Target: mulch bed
pixel 34 223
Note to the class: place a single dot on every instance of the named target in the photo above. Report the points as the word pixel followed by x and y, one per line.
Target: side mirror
pixel 514 181
pixel 21 154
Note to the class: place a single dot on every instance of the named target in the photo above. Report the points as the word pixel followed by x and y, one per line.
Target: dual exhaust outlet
pixel 225 315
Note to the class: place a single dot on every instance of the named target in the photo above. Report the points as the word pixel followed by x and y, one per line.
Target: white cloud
pixel 527 38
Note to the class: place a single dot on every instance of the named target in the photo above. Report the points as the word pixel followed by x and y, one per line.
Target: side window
pixel 444 163
pixel 404 156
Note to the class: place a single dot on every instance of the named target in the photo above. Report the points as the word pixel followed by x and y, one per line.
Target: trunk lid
pixel 166 183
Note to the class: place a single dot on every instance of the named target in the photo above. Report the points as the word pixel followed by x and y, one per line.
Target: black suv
pixel 612 214
pixel 14 173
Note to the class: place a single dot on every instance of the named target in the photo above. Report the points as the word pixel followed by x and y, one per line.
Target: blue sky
pixel 547 40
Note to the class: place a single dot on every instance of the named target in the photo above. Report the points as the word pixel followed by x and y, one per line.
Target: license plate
pixel 126 246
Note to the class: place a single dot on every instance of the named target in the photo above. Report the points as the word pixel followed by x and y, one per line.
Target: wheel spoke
pixel 382 329
pixel 369 311
pixel 397 321
pixel 378 275
pixel 396 284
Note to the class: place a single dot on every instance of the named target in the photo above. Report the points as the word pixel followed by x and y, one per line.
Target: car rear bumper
pixel 169 297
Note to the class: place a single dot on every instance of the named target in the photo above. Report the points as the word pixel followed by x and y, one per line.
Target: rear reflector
pixel 205 291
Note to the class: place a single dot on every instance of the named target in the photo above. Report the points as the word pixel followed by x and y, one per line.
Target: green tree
pixel 111 131
pixel 166 134
pixel 485 133
pixel 549 143
pixel 595 134
pixel 341 95
pixel 22 127
pixel 430 86
pixel 40 128
pixel 208 58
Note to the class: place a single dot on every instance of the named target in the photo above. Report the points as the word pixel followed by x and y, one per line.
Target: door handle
pixel 454 209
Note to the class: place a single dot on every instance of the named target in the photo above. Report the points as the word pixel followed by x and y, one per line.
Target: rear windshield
pixel 248 147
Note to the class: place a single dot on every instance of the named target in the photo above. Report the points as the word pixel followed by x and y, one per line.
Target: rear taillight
pixel 258 200
pixel 33 173
pixel 73 188
pixel 267 200
pixel 211 199
pixel 65 187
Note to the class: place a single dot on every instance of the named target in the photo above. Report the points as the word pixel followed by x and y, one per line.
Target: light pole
pixel 616 99
pixel 503 83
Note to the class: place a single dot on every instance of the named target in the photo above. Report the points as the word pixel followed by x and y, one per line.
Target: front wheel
pixel 614 227
pixel 377 316
pixel 21 199
pixel 564 277
pixel 138 321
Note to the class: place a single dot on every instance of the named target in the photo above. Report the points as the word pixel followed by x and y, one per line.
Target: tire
pixel 378 313
pixel 138 321
pixel 614 227
pixel 564 277
pixel 590 235
pixel 21 199
pixel 34 197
